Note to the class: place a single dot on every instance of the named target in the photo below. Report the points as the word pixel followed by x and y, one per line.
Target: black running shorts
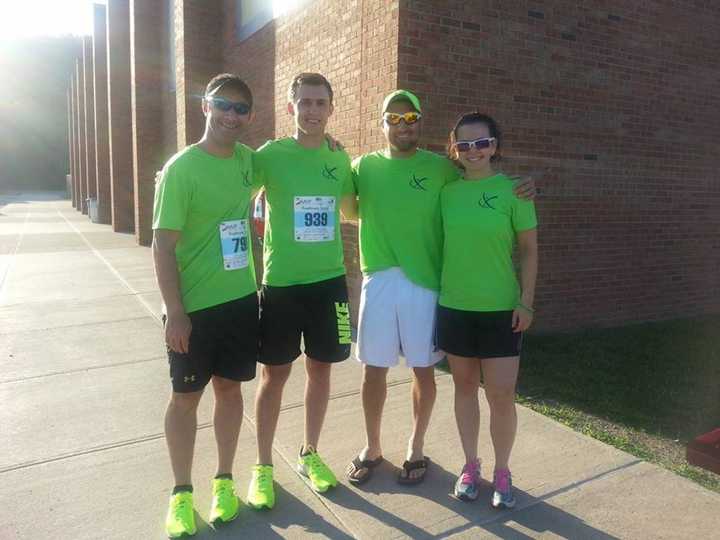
pixel 223 342
pixel 478 334
pixel 316 312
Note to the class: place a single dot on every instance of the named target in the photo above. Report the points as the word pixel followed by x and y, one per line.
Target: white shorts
pixel 397 317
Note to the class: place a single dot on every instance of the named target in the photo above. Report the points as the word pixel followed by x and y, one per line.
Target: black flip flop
pixel 410 466
pixel 359 464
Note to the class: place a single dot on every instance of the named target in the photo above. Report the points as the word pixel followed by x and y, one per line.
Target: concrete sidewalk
pixel 84 383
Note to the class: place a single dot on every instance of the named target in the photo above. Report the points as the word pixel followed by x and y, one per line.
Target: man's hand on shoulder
pixel 333 143
pixel 524 187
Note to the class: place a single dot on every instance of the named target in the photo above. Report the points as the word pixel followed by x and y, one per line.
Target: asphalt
pixel 84 383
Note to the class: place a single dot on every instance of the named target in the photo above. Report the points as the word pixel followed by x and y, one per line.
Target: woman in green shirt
pixel 483 310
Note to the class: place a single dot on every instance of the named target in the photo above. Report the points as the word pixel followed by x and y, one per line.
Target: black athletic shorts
pixel 317 312
pixel 223 342
pixel 478 334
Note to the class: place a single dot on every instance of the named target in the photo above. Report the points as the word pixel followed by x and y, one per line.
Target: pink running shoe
pixel 466 487
pixel 503 495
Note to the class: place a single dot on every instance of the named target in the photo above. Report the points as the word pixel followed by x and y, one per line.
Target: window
pixel 252 15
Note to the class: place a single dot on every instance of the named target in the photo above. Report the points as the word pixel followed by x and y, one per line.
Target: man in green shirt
pixel 204 267
pixel 398 189
pixel 304 294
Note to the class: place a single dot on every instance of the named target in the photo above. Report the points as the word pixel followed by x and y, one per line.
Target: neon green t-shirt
pixel 480 222
pixel 303 190
pixel 207 199
pixel 400 224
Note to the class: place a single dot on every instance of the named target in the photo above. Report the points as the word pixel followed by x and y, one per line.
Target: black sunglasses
pixel 225 105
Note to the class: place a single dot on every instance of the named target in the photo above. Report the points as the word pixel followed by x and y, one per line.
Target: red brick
pixel 153 110
pixel 617 131
pixel 611 110
pixel 198 58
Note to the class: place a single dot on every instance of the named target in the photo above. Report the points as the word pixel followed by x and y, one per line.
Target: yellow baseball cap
pixel 401 95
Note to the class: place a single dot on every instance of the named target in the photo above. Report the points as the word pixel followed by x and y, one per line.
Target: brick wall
pixel 610 105
pixel 614 106
pixel 153 105
pixel 102 162
pixel 120 116
pixel 198 24
pixel 253 60
pixel 168 55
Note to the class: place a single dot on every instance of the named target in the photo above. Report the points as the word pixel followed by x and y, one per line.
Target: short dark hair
pixel 314 79
pixel 229 80
pixel 475 118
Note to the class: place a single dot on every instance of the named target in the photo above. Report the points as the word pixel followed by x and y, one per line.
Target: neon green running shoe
pixel 311 466
pixel 180 519
pixel 261 493
pixel 225 504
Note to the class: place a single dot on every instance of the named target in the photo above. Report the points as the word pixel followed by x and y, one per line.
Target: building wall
pixel 610 106
pixel 152 104
pixel 120 115
pixel 613 106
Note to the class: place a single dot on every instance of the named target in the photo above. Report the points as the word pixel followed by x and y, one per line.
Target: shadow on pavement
pixel 289 512
pixel 531 513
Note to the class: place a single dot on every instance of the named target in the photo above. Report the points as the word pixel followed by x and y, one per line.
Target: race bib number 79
pixel 234 242
pixel 314 219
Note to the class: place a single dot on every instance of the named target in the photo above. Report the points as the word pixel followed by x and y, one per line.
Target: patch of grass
pixel 647 389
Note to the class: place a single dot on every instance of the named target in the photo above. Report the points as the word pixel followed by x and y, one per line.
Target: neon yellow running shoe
pixel 311 466
pixel 225 504
pixel 180 519
pixel 261 493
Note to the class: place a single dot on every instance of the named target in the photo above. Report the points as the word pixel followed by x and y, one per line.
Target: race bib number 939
pixel 314 219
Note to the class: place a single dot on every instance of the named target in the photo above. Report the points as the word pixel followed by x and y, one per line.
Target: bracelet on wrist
pixel 526 308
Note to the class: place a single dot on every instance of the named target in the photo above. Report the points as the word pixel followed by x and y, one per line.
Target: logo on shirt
pixel 246 178
pixel 418 182
pixel 487 201
pixel 329 172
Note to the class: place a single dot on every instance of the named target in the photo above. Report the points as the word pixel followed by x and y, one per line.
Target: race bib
pixel 314 219
pixel 234 242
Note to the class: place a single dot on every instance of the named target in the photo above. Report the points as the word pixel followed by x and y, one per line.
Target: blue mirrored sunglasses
pixel 225 105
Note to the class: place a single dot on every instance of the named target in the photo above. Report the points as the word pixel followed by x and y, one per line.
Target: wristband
pixel 529 310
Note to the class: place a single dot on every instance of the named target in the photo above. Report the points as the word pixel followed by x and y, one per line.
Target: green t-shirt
pixel 303 190
pixel 207 199
pixel 400 222
pixel 480 222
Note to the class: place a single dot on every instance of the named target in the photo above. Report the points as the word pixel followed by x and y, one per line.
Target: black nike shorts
pixel 316 312
pixel 477 334
pixel 223 342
